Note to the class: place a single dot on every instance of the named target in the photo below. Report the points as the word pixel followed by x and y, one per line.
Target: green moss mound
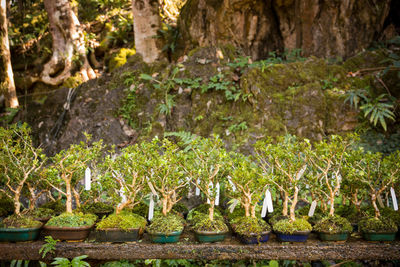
pixel 166 224
pixel 391 214
pixel 72 220
pixel 276 218
pixel 318 214
pixel 15 221
pixel 333 225
pixel 198 213
pixel 203 223
pixel 288 227
pixel 124 220
pixel 349 212
pixel 58 206
pixel 248 225
pixel 180 208
pixel 140 209
pixel 377 225
pixel 120 58
pixel 97 207
pixel 40 213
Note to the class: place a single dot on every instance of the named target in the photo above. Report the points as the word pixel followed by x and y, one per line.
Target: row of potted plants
pixel 286 170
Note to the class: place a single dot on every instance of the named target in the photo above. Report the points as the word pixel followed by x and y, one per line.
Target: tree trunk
pixel 294 203
pixel 146 22
pixel 246 207
pixel 68 203
pixel 285 204
pixel 332 205
pixel 253 211
pixel 68 40
pixel 7 85
pixel 17 203
pixel 165 205
pixel 320 28
pixel 373 201
pixel 121 206
pixel 211 210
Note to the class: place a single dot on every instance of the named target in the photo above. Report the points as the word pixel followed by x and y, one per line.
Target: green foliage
pixel 75 262
pixel 72 220
pixel 185 138
pixel 121 263
pixel 120 58
pixel 15 221
pixel 124 221
pixel 39 213
pixel 238 127
pixel 289 227
pixel 20 161
pixel 377 109
pixel 6 205
pixel 377 225
pixel 247 226
pixel 49 246
pixel 333 225
pixel 220 83
pixel 169 35
pixel 166 224
pixel 57 206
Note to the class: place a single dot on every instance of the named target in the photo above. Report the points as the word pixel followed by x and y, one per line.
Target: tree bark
pixel 211 210
pixel 7 85
pixel 146 22
pixel 285 204
pixel 294 203
pixel 68 41
pixel 68 203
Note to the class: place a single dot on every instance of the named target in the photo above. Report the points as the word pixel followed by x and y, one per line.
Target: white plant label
pixel 88 179
pixel 312 208
pixel 210 186
pixel 380 201
pixel 151 207
pixel 233 206
pixel 122 194
pixel 197 193
pixel 217 187
pixel 301 172
pixel 270 206
pixel 267 204
pixel 232 184
pixel 153 191
pixel 394 199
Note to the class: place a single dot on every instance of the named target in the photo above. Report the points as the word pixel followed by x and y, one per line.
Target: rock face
pixel 320 28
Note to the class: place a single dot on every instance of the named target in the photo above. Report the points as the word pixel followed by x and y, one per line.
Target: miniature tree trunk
pixel 246 206
pixel 165 205
pixel 294 203
pixel 17 203
pixel 285 204
pixel 373 201
pixel 211 210
pixel 121 206
pixel 68 195
pixel 253 211
pixel 332 204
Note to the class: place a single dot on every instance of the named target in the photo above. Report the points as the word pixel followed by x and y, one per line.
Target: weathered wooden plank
pixel 308 251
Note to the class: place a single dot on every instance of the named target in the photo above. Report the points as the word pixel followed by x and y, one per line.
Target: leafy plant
pixel 49 246
pixel 75 262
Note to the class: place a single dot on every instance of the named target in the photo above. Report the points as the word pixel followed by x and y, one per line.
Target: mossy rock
pixel 124 221
pixel 15 221
pixel 72 220
pixel 333 225
pixel 377 225
pixel 247 226
pixel 166 224
pixel 286 226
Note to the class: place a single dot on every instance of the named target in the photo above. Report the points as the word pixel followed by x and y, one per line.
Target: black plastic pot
pixel 118 235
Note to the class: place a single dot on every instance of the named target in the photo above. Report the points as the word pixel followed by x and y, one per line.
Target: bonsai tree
pixel 326 161
pixel 20 162
pixel 248 182
pixel 165 173
pixel 287 160
pixel 125 178
pixel 206 166
pixel 68 167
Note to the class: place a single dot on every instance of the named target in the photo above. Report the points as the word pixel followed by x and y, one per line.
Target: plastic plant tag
pixel 151 207
pixel 87 179
pixel 217 187
pixel 312 208
pixel 210 186
pixel 197 193
pixel 232 184
pixel 153 191
pixel 301 172
pixel 122 194
pixel 394 199
pixel 270 207
pixel 233 206
pixel 267 204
